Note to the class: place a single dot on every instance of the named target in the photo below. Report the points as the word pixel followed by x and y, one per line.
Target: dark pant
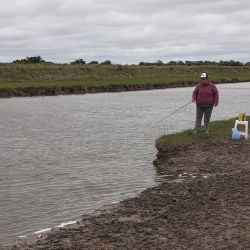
pixel 207 111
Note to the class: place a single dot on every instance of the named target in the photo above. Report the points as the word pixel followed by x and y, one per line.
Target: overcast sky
pixel 125 31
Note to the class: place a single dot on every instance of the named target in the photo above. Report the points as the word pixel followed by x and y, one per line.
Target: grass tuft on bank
pixel 218 130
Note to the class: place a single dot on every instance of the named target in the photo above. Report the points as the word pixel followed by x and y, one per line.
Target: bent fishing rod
pixel 171 114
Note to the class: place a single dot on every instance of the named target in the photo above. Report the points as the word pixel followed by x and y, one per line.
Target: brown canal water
pixel 64 156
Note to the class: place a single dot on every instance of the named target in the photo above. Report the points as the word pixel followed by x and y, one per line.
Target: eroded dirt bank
pixel 82 89
pixel 208 210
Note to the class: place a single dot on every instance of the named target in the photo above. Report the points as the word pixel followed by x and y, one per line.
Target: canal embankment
pixel 17 80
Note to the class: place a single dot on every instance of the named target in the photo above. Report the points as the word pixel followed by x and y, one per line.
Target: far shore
pixel 18 80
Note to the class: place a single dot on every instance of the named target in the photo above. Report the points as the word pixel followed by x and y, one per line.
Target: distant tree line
pixel 32 59
pixel 38 59
pixel 80 61
pixel 196 63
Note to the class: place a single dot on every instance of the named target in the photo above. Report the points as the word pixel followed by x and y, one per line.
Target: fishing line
pixel 171 114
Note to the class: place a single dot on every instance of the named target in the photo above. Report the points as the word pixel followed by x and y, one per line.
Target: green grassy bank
pixel 100 78
pixel 218 131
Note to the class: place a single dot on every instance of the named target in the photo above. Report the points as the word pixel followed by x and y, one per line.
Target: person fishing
pixel 206 97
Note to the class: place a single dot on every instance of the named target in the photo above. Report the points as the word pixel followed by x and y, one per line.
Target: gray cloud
pixel 125 31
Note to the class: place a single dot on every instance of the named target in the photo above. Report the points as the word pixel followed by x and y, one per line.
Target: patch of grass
pixel 38 75
pixel 218 130
pixel 92 82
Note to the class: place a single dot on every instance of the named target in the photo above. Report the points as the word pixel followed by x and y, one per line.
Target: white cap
pixel 203 75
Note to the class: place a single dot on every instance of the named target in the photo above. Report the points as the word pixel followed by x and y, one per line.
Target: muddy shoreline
pixel 82 89
pixel 206 207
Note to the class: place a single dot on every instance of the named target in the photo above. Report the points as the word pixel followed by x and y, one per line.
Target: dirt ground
pixel 207 207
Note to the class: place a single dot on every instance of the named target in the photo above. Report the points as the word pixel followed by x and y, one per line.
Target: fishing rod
pixel 171 114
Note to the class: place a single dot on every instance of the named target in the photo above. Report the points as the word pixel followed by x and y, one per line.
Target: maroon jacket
pixel 206 93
